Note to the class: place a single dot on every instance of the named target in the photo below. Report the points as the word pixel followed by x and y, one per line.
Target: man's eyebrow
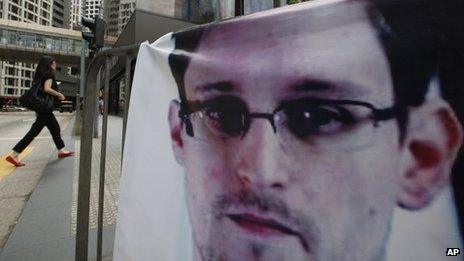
pixel 312 85
pixel 223 86
pixel 339 89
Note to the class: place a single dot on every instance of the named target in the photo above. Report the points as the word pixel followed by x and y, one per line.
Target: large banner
pixel 326 130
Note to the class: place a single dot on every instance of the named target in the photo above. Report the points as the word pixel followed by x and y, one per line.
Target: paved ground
pixel 16 185
pixel 46 229
pixel 112 176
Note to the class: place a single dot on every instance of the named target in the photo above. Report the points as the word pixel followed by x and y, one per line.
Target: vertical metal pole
pixel 77 130
pixel 96 126
pixel 78 109
pixel 82 81
pixel 85 161
pixel 126 100
pixel 101 189
pixel 85 168
pixel 239 7
pixel 78 121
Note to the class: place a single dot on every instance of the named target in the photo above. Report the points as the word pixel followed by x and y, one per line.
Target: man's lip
pixel 265 226
pixel 260 225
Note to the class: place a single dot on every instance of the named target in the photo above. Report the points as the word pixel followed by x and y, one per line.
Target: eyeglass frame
pixel 379 114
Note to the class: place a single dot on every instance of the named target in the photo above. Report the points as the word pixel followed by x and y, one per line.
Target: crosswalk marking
pixel 18 138
pixel 7 168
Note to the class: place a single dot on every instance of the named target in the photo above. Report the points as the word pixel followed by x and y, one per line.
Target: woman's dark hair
pixel 43 68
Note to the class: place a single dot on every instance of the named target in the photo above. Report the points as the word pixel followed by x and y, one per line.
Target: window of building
pixel 14 9
pixel 56 20
pixel 10 81
pixel 10 71
pixel 13 18
pixel 30 16
pixel 59 5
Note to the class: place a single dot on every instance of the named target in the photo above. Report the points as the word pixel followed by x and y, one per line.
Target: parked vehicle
pixel 14 108
pixel 66 106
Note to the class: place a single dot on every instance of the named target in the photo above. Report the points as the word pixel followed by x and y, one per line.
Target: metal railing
pixel 85 163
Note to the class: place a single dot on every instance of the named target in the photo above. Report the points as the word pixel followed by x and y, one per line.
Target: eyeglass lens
pixel 300 121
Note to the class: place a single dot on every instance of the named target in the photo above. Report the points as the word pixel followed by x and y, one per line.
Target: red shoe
pixel 65 154
pixel 14 161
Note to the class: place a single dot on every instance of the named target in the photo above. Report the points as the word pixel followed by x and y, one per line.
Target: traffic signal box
pixel 96 36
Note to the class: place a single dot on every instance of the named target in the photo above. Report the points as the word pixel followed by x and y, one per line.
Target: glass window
pixel 65 45
pixel 48 43
pixel 30 40
pixel 56 44
pixel 39 43
pixel 13 37
pixel 2 36
pixel 9 81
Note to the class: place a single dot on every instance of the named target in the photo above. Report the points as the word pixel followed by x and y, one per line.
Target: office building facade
pixel 111 17
pixel 93 8
pixel 61 13
pixel 76 12
pixel 16 77
pixel 126 8
pixel 31 11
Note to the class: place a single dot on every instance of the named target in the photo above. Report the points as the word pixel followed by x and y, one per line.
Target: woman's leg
pixel 37 126
pixel 55 131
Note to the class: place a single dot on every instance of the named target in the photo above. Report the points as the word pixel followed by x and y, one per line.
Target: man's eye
pixel 318 120
pixel 224 122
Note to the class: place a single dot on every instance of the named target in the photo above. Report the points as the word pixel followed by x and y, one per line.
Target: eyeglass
pixel 300 123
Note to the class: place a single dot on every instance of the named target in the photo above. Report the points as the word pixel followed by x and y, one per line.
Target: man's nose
pixel 261 162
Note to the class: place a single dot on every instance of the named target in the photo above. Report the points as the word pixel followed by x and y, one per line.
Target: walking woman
pixel 45 74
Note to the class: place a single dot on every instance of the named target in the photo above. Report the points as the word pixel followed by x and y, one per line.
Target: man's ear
pixel 433 138
pixel 175 125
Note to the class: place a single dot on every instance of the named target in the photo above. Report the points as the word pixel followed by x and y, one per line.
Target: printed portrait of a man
pixel 301 129
pixel 325 130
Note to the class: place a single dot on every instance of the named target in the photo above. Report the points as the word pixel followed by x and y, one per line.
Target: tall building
pixel 16 77
pixel 32 11
pixel 61 14
pixel 76 12
pixel 93 8
pixel 126 8
pixel 112 16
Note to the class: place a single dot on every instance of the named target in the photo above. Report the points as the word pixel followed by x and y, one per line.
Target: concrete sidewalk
pixel 46 228
pixel 17 184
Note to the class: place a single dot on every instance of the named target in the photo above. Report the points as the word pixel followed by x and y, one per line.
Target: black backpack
pixel 36 99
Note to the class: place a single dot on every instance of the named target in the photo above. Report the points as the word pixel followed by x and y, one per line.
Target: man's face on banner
pixel 322 183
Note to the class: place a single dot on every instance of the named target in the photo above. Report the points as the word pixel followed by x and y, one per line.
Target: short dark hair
pixel 426 39
pixel 421 39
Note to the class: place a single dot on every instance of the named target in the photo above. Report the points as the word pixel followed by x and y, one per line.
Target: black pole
pixel 239 7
